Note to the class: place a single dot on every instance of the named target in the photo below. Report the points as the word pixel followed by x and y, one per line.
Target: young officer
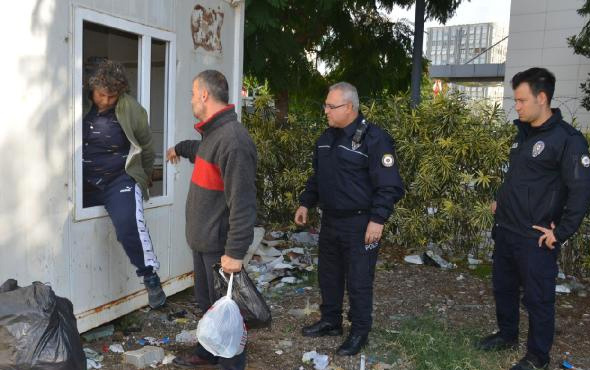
pixel 544 197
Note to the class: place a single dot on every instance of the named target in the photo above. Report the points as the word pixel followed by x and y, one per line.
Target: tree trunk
pixel 282 106
pixel 417 55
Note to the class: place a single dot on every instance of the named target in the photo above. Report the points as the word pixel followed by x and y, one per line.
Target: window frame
pixel 145 35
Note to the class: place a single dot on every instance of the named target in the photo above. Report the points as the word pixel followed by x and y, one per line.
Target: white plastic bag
pixel 221 330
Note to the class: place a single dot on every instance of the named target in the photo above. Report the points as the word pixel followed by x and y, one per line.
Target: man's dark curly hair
pixel 110 76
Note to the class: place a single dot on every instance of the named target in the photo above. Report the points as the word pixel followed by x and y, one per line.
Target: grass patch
pixel 483 271
pixel 429 344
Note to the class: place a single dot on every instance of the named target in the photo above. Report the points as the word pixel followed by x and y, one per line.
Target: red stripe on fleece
pixel 207 175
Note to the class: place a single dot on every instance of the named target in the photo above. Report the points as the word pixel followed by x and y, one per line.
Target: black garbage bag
pixel 253 307
pixel 38 330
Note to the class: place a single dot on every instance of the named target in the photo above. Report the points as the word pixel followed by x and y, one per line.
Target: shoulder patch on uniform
pixel 585 160
pixel 387 160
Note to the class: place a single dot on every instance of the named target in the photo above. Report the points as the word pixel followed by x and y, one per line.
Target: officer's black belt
pixel 344 212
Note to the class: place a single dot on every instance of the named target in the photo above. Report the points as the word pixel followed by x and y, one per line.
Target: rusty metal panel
pixel 206 25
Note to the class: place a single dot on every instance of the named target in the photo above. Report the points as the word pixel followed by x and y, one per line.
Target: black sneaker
pixel 495 342
pixel 156 296
pixel 530 362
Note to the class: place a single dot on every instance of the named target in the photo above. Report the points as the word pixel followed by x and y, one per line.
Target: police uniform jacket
pixel 548 180
pixel 353 180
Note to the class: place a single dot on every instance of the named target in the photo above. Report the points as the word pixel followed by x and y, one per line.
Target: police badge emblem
pixel 585 161
pixel 538 148
pixel 387 160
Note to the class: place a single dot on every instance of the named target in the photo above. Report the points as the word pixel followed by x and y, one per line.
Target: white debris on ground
pixel 116 348
pixel 320 362
pixel 414 259
pixel 187 336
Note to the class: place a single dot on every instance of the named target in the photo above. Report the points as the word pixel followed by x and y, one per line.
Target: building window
pixel 148 55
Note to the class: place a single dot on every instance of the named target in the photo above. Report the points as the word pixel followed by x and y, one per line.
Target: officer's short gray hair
pixel 349 92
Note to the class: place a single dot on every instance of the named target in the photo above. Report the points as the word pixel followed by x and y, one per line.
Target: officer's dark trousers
pixel 344 260
pixel 519 261
pixel 123 201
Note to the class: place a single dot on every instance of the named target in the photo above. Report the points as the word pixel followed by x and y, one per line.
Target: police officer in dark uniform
pixel 356 183
pixel 544 197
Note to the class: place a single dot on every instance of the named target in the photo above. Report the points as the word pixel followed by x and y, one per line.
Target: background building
pixel 461 44
pixel 538 38
pixel 453 49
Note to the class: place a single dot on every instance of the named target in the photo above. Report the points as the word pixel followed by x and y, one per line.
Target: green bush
pixel 451 154
pixel 285 151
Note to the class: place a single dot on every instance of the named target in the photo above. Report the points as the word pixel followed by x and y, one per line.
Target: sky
pixel 474 11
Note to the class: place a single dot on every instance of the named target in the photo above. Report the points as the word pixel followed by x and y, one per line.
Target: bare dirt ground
pixel 458 298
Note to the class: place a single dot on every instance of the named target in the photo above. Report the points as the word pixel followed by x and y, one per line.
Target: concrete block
pixel 144 357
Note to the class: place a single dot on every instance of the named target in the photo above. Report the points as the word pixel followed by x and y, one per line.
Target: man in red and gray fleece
pixel 221 202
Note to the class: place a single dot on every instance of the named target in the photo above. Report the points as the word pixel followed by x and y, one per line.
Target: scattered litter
pixel 277 234
pixel 285 343
pixel 93 359
pixel 414 259
pixel 279 352
pixel 382 366
pixel 93 364
pixel 272 243
pixel 296 250
pixel 305 238
pixel 177 315
pixel 153 341
pixel 433 259
pixel 563 288
pixel 93 355
pixel 145 356
pixel 98 333
pixel 567 362
pixel 116 348
pixel 289 280
pixel 258 235
pixel 264 250
pixel 168 359
pixel 460 277
pixel 302 312
pixel 362 367
pixel 576 286
pixel 187 336
pixel 561 275
pixel 473 261
pixel 320 362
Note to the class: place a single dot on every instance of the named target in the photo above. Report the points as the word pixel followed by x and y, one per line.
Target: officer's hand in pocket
pixel 301 216
pixel 548 237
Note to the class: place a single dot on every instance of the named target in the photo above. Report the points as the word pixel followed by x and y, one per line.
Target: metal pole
pixel 417 54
